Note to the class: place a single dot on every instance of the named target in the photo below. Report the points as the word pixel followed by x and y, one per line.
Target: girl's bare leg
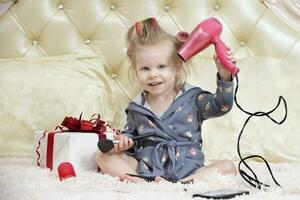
pixel 224 167
pixel 118 164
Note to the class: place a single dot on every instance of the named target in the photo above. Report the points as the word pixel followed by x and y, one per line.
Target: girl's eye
pixel 144 68
pixel 161 66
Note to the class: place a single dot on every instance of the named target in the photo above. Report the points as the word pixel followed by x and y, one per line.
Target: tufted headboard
pixel 63 57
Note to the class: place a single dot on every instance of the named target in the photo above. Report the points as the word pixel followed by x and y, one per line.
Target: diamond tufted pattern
pixel 257 36
pixel 81 28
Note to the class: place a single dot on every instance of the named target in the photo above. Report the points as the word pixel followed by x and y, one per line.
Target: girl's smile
pixel 153 84
pixel 155 69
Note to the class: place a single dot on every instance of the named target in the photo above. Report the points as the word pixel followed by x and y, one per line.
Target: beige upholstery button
pixel 113 76
pixel 87 41
pixel 217 7
pixel 60 6
pixel 112 7
pixel 167 8
pixel 35 42
pixel 242 44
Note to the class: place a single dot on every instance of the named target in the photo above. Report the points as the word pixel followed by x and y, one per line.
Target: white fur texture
pixel 20 180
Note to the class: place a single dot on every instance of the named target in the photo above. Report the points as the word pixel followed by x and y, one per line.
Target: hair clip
pixel 182 36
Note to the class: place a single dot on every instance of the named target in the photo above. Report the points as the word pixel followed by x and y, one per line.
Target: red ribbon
pixel 49 155
pixel 71 124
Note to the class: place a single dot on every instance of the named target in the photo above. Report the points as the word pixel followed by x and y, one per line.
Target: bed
pixel 63 58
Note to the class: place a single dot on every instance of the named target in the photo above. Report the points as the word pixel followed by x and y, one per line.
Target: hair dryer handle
pixel 221 51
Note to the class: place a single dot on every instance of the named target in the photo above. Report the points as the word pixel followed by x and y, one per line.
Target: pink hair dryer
pixel 206 33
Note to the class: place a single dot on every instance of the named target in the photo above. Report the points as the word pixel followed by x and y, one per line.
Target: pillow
pixel 37 93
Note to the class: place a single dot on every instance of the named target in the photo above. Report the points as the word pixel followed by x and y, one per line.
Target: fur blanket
pixel 19 179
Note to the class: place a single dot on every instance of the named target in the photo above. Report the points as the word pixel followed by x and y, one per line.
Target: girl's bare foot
pixel 134 179
pixel 131 179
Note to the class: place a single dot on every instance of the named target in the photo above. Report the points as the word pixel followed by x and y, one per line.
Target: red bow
pixel 95 124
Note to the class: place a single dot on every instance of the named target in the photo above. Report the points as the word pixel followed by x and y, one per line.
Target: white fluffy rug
pixel 20 180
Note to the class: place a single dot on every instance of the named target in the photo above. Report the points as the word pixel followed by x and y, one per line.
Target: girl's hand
pixel 224 73
pixel 124 143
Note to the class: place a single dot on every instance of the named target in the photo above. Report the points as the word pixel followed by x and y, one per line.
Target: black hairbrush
pixel 106 145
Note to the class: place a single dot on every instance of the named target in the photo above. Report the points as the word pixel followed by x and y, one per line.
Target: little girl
pixel 168 107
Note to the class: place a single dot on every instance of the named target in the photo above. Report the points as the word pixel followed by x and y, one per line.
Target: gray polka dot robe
pixel 175 151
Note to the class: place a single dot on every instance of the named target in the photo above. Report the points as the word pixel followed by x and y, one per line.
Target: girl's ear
pixel 134 72
pixel 132 75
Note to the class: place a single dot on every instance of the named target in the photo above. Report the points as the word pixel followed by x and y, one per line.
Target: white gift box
pixel 75 147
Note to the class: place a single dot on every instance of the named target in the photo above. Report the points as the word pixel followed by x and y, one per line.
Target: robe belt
pixel 170 150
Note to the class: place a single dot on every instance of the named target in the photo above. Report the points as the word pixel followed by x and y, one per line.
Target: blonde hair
pixel 148 32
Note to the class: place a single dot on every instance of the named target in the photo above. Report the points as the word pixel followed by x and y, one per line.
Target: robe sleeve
pixel 129 131
pixel 217 104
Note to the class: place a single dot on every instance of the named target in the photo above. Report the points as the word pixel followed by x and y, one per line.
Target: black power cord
pixel 253 180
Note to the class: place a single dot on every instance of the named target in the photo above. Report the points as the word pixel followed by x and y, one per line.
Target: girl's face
pixel 156 69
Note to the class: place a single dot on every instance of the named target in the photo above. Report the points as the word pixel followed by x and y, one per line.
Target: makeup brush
pixel 106 145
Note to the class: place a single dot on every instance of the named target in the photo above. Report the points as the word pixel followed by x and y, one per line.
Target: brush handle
pixel 106 145
pixel 134 138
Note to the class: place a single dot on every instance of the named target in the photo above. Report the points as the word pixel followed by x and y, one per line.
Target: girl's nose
pixel 153 73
